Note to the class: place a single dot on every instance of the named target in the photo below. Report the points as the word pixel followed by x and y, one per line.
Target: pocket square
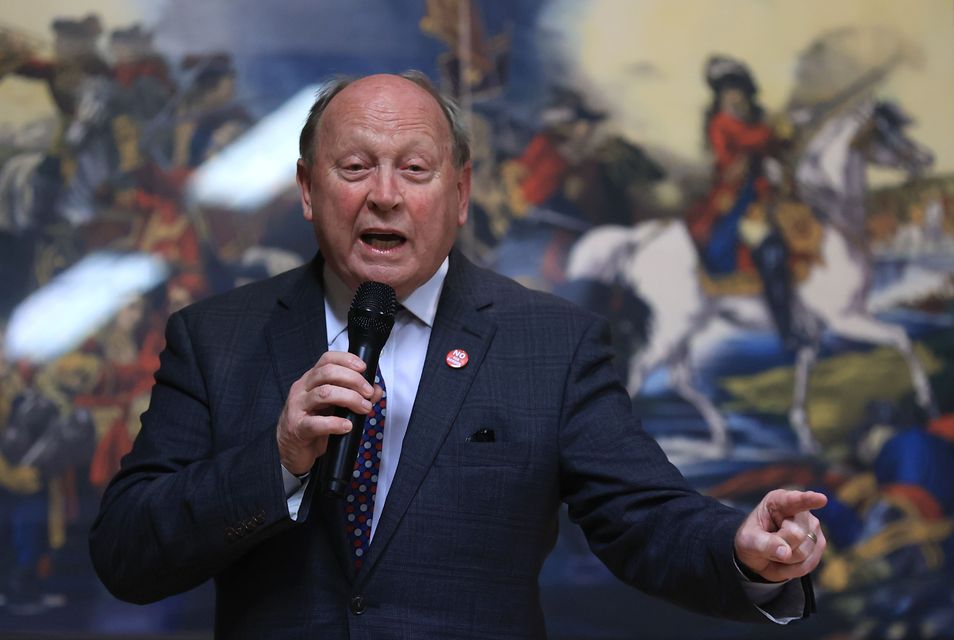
pixel 482 435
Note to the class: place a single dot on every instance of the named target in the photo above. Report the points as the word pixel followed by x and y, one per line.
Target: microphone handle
pixel 338 461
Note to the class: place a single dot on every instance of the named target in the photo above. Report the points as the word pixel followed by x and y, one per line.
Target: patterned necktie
pixel 359 507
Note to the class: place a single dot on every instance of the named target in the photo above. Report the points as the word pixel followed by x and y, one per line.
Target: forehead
pixel 384 108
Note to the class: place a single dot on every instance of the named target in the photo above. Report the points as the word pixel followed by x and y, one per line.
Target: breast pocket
pixel 492 478
pixel 493 454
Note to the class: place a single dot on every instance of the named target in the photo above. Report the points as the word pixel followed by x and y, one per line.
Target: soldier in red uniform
pixel 732 226
pixel 76 59
pixel 145 90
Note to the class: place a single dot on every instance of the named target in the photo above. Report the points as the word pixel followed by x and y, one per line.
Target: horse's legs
pixel 671 347
pixel 643 362
pixel 798 415
pixel 864 328
pixel 680 373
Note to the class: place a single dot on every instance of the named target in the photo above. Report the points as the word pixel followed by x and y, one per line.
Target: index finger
pixel 343 358
pixel 339 368
pixel 786 504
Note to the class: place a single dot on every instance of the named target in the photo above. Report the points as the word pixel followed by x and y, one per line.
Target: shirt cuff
pixel 294 490
pixel 780 602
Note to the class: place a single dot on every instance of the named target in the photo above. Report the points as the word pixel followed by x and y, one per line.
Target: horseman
pixel 733 226
pixel 66 180
pixel 75 59
pixel 573 174
pixel 145 88
pixel 209 115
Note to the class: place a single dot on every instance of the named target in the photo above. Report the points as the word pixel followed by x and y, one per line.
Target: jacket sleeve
pixel 640 516
pixel 181 509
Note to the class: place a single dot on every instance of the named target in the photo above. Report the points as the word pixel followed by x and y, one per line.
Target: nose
pixel 385 194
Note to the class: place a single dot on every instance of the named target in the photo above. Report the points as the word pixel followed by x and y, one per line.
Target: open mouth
pixel 382 241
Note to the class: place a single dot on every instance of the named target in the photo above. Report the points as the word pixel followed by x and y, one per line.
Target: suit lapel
pixel 458 324
pixel 296 332
pixel 297 337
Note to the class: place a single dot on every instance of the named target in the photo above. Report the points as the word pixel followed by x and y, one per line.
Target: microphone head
pixel 372 309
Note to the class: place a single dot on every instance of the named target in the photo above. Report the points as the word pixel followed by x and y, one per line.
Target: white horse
pixel 659 262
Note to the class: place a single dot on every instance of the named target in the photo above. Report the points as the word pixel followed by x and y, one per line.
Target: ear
pixel 303 178
pixel 463 194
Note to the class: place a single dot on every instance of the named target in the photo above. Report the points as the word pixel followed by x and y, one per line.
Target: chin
pixel 384 275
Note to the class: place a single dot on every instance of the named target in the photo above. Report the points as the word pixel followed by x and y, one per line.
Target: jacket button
pixel 357 605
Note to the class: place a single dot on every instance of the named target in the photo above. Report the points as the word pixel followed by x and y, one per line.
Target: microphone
pixel 370 320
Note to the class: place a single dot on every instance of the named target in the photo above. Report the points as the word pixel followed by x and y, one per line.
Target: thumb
pixel 765 545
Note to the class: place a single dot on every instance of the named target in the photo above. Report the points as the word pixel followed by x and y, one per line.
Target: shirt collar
pixel 421 303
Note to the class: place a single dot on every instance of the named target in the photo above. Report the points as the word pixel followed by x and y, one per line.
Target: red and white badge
pixel 456 358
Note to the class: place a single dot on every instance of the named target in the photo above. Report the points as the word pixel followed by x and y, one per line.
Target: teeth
pixel 382 241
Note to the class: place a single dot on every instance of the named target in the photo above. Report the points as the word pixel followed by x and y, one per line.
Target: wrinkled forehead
pixel 389 104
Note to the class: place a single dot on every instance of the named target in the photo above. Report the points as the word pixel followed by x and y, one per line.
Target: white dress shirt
pixel 409 337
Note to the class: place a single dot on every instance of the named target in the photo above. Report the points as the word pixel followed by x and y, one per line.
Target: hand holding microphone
pixel 325 410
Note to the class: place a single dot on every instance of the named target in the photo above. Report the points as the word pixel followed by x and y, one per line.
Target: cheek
pixel 338 207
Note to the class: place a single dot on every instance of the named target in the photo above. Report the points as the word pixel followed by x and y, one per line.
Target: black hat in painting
pixel 723 71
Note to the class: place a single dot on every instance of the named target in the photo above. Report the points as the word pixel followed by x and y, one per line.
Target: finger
pixel 338 367
pixel 303 440
pixel 343 358
pixel 796 537
pixel 762 544
pixel 780 571
pixel 818 550
pixel 327 398
pixel 783 504
pixel 302 431
pixel 339 375
pixel 311 428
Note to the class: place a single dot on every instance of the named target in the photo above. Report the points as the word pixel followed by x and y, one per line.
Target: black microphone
pixel 370 320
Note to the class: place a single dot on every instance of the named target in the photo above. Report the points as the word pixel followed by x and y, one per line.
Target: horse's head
pixel 831 173
pixel 885 143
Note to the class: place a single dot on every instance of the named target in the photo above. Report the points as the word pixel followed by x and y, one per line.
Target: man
pixel 734 226
pixel 501 402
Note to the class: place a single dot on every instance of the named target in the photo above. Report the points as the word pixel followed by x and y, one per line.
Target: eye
pixel 416 170
pixel 352 169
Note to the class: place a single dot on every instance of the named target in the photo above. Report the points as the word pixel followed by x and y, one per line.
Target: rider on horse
pixel 733 226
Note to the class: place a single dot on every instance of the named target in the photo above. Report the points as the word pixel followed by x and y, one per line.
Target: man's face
pixel 68 46
pixel 382 191
pixel 735 102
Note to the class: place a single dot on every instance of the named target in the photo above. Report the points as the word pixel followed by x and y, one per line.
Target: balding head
pixel 459 137
pixel 382 182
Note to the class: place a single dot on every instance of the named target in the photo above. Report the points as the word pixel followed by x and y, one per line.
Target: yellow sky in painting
pixel 26 100
pixel 645 58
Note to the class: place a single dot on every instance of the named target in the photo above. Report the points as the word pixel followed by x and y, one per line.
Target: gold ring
pixel 811 536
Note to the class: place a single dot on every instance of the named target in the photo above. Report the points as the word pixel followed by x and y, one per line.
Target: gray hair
pixel 460 138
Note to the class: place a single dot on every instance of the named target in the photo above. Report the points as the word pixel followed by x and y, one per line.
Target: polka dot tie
pixel 359 507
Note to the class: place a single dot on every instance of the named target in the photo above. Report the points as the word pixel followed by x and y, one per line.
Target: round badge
pixel 457 358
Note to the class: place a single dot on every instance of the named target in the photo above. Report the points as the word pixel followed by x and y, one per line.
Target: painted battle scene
pixel 759 195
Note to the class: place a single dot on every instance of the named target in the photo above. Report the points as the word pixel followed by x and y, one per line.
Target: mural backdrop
pixel 759 194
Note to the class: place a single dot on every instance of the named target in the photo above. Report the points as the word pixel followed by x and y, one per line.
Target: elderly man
pixel 500 404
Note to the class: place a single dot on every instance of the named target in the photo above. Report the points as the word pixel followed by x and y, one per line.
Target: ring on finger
pixel 811 536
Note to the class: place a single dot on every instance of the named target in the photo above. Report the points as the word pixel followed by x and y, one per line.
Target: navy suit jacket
pixel 467 525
